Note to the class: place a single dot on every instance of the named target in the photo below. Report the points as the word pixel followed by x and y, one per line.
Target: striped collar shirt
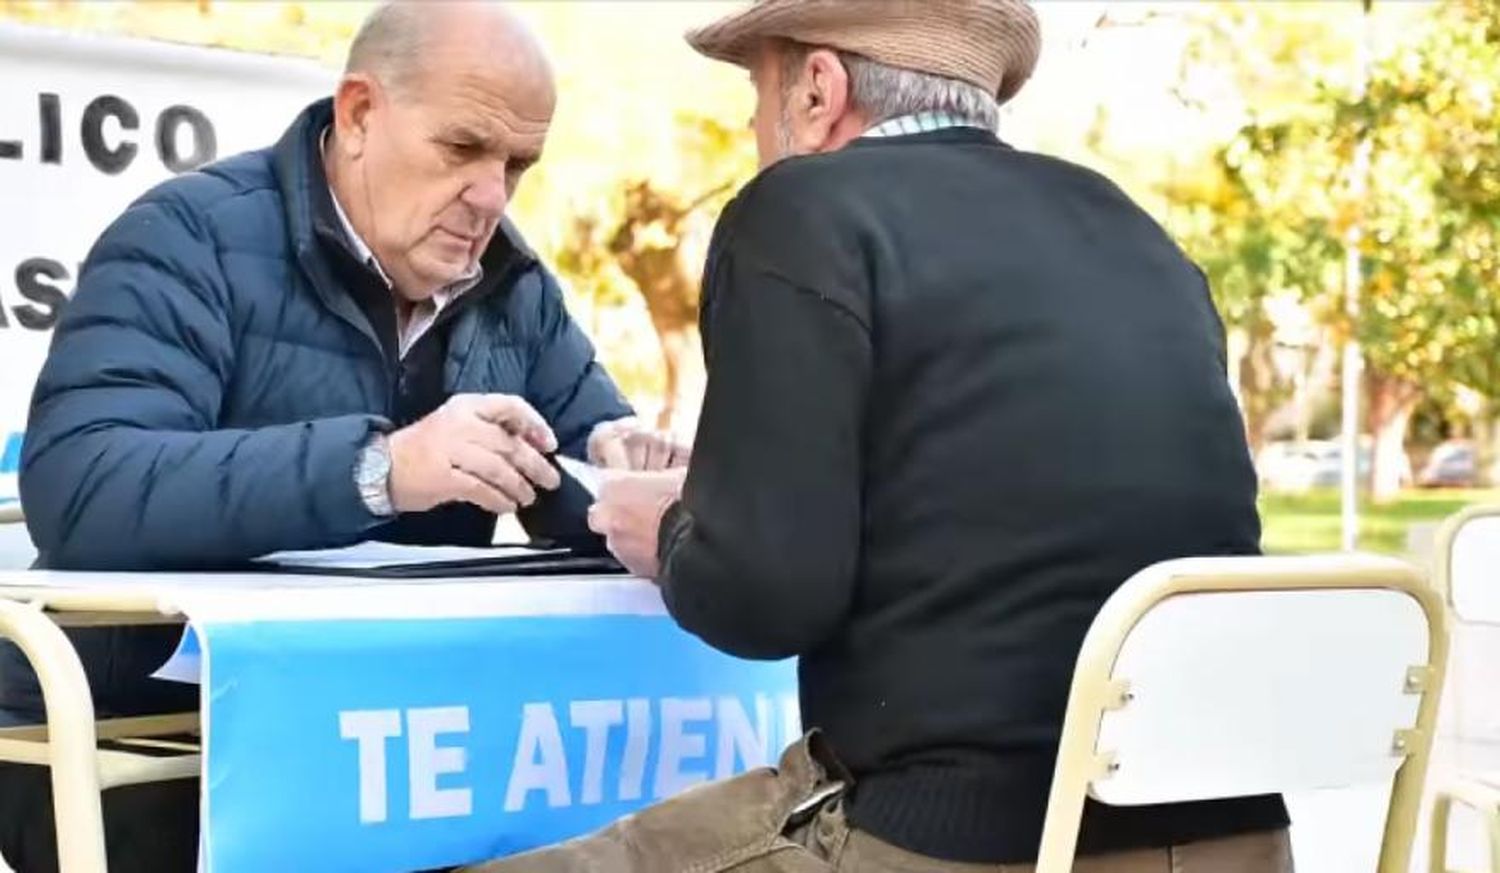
pixel 920 122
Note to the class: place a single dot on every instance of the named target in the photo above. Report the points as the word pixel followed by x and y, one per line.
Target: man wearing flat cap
pixel 957 395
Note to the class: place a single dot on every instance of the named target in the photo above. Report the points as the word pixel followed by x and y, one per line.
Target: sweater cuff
pixel 673 520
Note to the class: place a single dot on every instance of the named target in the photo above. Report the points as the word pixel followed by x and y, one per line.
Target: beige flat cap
pixel 993 44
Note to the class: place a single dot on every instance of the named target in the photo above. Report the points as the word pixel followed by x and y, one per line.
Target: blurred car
pixel 1454 464
pixel 1280 463
pixel 1301 466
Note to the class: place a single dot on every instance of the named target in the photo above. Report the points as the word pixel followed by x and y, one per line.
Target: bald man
pixel 334 339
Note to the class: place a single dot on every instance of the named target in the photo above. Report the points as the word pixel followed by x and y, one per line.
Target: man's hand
pixel 484 449
pixel 628 444
pixel 628 516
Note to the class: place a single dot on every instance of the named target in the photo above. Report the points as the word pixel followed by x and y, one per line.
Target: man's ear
pixel 353 101
pixel 824 96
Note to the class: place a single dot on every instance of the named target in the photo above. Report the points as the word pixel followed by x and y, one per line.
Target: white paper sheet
pixel 186 663
pixel 374 555
pixel 586 474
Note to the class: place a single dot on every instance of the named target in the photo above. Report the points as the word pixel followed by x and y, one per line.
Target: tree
pixel 313 29
pixel 1428 316
pixel 1232 216
pixel 651 244
pixel 1432 246
pixel 1239 208
pixel 656 238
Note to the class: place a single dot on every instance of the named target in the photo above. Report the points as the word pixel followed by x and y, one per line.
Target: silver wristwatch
pixel 372 475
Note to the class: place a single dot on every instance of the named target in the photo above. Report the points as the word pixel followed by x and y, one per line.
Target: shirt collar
pixel 919 122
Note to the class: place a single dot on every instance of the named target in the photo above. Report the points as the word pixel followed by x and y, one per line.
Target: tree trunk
pixel 1487 445
pixel 1391 404
pixel 676 326
pixel 651 247
pixel 682 352
pixel 1256 378
pixel 675 319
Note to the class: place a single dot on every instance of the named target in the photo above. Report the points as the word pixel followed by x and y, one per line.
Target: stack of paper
pixel 377 560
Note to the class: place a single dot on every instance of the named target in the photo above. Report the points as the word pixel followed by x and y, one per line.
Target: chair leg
pixel 72 745
pixel 1076 768
pixel 1442 809
pixel 1484 800
pixel 1060 833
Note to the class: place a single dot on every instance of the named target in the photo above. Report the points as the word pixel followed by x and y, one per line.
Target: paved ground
pixel 1339 831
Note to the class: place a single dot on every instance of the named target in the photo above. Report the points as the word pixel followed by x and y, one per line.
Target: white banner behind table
pixel 87 124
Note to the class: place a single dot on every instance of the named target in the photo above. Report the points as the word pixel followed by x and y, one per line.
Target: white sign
pixel 87 124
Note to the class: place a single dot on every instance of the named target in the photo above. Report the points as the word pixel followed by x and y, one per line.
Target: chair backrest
pixel 1226 677
pixel 1468 564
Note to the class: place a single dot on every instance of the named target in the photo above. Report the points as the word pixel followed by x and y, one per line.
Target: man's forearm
pixel 743 595
pixel 195 499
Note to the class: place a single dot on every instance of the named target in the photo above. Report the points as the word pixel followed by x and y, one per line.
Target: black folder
pixel 562 545
pixel 551 562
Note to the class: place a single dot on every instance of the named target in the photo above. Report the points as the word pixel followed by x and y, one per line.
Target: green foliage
pixel 1432 251
pixel 1269 212
pixel 308 28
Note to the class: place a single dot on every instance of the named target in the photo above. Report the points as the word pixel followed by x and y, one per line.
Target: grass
pixel 1310 522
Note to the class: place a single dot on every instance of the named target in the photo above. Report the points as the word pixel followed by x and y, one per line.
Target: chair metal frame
pixel 68 743
pixel 1483 798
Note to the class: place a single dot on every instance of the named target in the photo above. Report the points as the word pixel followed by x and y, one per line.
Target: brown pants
pixel 791 820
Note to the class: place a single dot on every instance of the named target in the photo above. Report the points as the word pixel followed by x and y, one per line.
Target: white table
pixel 36 605
pixel 16 550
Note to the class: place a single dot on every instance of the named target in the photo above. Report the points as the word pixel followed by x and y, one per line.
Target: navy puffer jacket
pixel 213 378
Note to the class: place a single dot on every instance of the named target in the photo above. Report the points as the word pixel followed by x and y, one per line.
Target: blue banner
pixel 10 453
pixel 10 466
pixel 394 745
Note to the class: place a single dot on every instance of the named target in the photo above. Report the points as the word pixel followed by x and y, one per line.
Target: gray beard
pixel 785 148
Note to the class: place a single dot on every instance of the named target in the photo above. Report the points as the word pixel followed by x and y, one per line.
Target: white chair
pixel 1468 568
pixel 1468 572
pixel 1223 677
pixel 1481 797
pixel 85 756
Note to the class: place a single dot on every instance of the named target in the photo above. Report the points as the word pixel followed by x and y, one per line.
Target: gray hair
pixel 389 45
pixel 882 92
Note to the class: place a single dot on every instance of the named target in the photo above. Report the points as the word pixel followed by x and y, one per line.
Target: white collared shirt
pixel 424 313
